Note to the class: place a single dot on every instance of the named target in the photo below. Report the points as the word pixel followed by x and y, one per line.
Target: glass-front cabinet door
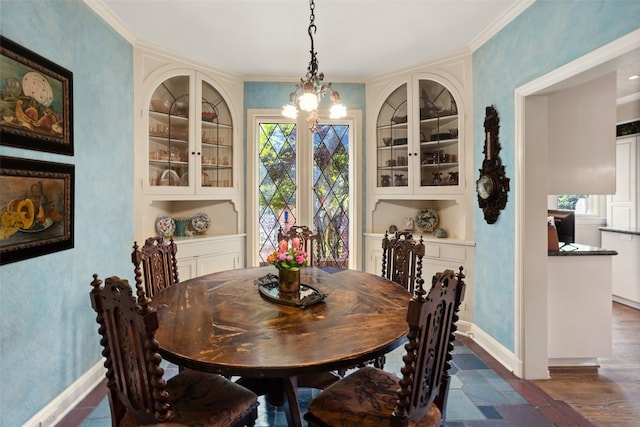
pixel 216 135
pixel 418 145
pixel 169 151
pixel 392 141
pixel 438 132
pixel 190 139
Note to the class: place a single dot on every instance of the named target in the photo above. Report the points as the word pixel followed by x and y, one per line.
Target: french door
pixel 304 178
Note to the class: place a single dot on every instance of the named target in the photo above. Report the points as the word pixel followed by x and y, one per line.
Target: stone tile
pixel 523 416
pixel 468 361
pixel 460 407
pixel 490 412
pixel 484 395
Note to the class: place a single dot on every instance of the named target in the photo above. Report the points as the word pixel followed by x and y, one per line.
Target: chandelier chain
pixel 312 69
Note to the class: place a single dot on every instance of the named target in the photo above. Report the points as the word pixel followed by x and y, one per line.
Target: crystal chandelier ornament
pixel 309 92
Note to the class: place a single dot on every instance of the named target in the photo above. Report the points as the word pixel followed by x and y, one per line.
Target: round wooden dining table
pixel 221 323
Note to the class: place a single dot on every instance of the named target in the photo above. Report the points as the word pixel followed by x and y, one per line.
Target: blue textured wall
pixel 48 332
pixel 544 37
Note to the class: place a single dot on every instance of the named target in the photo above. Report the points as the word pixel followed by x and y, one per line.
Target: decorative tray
pixel 268 287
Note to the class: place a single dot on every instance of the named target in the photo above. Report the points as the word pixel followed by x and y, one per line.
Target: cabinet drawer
pixel 454 253
pixel 188 249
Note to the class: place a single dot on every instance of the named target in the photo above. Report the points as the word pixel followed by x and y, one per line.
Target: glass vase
pixel 289 281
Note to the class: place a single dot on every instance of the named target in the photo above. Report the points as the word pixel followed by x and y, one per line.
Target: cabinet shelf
pixel 167 140
pixel 214 125
pixel 439 165
pixel 393 168
pixel 167 116
pixel 215 166
pixel 394 126
pixel 441 121
pixel 441 143
pixel 212 145
pixel 168 163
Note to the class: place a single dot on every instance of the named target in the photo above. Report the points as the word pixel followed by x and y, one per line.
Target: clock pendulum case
pixel 492 185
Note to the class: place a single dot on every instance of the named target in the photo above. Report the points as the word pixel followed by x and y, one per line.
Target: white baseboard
pixel 59 407
pixel 627 302
pixel 499 352
pixel 464 327
pixel 574 362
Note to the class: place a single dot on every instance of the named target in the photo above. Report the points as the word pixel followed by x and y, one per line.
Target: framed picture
pixel 36 208
pixel 36 101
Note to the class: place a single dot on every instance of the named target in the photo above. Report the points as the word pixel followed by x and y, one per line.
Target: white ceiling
pixel 355 39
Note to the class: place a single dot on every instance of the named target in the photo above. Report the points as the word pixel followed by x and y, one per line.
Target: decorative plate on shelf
pixel 165 226
pixel 427 219
pixel 201 222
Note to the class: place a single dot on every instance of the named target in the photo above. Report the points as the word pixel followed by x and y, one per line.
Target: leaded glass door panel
pixel 282 200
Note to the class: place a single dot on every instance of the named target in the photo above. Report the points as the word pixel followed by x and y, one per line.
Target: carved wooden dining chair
pixel 372 397
pixel 310 240
pixel 402 259
pixel 138 394
pixel 155 265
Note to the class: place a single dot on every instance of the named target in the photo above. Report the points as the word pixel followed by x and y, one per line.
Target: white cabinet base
pixel 204 255
pixel 579 316
pixel 626 268
pixel 440 255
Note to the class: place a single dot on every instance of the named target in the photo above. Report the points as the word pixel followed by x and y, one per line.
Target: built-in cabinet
pixel 417 127
pixel 418 141
pixel 188 156
pixel 417 149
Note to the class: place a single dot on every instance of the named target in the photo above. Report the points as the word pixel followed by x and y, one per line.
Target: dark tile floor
pixel 482 393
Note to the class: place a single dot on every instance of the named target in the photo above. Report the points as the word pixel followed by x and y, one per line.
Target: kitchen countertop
pixel 577 249
pixel 623 230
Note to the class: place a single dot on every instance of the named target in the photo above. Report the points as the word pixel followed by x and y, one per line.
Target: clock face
pixel 485 187
pixel 427 219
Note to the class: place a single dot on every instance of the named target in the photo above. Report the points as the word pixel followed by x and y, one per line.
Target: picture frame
pixel 36 101
pixel 36 208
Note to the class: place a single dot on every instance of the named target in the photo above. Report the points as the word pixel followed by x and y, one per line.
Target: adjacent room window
pixel 582 204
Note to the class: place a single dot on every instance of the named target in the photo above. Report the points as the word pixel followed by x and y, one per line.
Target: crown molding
pixel 105 13
pixel 497 25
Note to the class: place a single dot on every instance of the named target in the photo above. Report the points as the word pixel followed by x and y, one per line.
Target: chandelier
pixel 309 92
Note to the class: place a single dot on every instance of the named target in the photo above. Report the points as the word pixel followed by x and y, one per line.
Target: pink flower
pixel 295 242
pixel 289 255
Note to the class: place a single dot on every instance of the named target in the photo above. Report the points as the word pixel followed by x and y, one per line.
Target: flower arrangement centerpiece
pixel 288 259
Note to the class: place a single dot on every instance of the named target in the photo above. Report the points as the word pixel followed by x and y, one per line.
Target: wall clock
pixel 492 185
